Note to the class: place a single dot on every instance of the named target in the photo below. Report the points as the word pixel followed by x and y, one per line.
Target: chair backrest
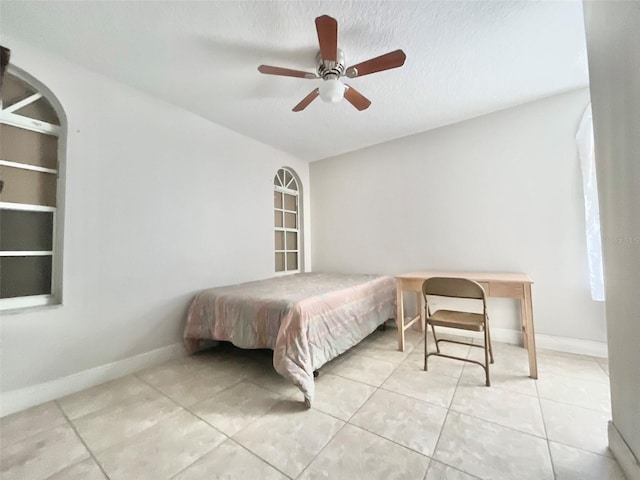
pixel 453 287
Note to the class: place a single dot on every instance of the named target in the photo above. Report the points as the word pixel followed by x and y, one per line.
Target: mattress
pixel 307 319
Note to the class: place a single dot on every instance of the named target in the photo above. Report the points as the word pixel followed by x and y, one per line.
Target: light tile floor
pixel 377 415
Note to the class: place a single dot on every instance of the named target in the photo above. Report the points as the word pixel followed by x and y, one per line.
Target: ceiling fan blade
pixel 327 28
pixel 356 99
pixel 387 61
pixel 285 72
pixel 306 101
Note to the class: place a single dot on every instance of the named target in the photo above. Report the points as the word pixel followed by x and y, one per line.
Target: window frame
pixel 10 118
pixel 296 193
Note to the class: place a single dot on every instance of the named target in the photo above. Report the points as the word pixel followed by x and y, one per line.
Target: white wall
pixel 160 203
pixel 500 192
pixel 613 39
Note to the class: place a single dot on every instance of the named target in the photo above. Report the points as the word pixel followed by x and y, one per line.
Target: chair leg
pixel 426 330
pixel 490 346
pixel 435 339
pixel 486 356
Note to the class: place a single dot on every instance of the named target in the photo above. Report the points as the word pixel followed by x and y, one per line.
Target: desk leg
pixel 400 315
pixel 420 304
pixel 528 333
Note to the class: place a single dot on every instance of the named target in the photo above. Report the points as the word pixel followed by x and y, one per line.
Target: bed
pixel 307 319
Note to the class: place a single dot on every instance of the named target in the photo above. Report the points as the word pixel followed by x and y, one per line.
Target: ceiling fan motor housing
pixel 328 69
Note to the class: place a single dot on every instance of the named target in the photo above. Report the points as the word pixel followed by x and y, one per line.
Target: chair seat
pixel 456 319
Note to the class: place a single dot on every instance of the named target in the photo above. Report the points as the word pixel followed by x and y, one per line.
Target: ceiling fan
pixel 331 66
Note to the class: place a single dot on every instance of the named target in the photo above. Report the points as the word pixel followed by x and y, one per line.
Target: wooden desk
pixel 495 284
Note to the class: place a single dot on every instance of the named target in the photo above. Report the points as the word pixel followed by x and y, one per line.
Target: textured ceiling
pixel 464 59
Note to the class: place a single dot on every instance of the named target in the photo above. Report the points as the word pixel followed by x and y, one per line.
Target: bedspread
pixel 307 319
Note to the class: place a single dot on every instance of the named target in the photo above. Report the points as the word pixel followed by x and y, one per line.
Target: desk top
pixel 511 277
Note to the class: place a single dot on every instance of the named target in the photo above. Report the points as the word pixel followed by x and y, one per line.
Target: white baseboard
pixel 549 342
pixel 16 400
pixel 623 454
pixel 573 345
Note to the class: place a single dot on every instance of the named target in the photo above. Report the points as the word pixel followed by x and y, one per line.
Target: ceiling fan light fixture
pixel 330 62
pixel 332 90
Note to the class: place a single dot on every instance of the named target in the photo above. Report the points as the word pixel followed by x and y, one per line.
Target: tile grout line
pixel 544 424
pixel 581 407
pixel 605 371
pixel 3 442
pixel 466 364
pixel 574 405
pixel 359 381
pixel 316 409
pixel 575 377
pixel 610 457
pixel 360 407
pixel 252 382
pixel 69 422
pixel 260 458
pixel 199 458
pixel 91 453
pixel 230 437
pixel 345 422
pixel 227 437
pixel 208 451
pixel 348 422
pixel 321 450
pixel 418 399
pixel 449 410
pixel 390 440
pixel 375 389
pixel 492 422
pixel 175 401
pixel 283 399
pixel 188 409
pixel 180 407
pixel 435 447
pixel 560 442
pixel 499 424
pixel 314 457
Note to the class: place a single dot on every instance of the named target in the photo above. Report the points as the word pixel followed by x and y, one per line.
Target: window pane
pixel 292 261
pixel 14 90
pixel 24 146
pixel 41 109
pixel 278 219
pixel 287 178
pixel 279 262
pixel 24 276
pixel 22 230
pixel 280 240
pixel 27 186
pixel 277 200
pixel 289 202
pixel 290 220
pixel 292 240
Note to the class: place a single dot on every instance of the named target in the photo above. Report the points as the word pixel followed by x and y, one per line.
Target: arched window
pixel 286 204
pixel 587 155
pixel 30 193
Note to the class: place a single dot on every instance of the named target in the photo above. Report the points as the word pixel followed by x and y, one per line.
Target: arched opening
pixel 287 222
pixel 32 128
